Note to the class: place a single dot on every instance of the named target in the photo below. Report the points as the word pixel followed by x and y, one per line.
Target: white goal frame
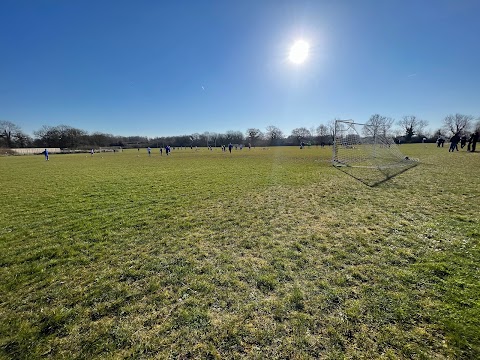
pixel 370 148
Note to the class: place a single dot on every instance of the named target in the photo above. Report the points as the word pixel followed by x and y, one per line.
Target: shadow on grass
pixel 374 176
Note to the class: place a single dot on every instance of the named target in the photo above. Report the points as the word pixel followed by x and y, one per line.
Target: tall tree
pixel 8 132
pixel 273 135
pixel 62 136
pixel 222 139
pixel 205 138
pixel 47 136
pixel 412 126
pixel 235 137
pixel 100 139
pixel 322 134
pixel 301 134
pixel 331 129
pixel 72 137
pixel 22 140
pixel 194 139
pixel 458 123
pixel 253 134
pixel 378 125
pixel 322 130
pixel 214 137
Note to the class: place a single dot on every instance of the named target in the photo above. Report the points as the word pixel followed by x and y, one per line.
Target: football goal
pixel 367 146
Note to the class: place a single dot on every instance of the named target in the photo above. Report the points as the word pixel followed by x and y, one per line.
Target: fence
pixel 30 151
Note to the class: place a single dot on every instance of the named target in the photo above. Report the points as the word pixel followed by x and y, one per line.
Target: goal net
pixel 367 146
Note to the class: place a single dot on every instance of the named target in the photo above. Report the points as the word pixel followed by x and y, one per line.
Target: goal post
pixel 367 152
pixel 365 145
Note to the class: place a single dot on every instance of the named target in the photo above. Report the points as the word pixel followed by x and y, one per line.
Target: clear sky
pixel 157 68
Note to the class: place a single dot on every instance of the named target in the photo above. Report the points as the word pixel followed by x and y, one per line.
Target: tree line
pixel 409 128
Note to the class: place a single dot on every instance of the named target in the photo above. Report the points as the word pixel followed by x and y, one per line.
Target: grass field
pixel 261 254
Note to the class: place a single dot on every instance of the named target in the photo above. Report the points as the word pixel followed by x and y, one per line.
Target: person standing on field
pixel 454 143
pixel 149 150
pixel 474 137
pixel 230 146
pixel 463 141
pixel 46 154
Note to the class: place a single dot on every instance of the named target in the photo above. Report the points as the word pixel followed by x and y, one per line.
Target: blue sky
pixel 159 68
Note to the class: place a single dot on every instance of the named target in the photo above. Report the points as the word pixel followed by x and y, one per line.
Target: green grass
pixel 255 254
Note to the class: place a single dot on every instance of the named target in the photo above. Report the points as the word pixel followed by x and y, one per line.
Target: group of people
pixel 456 138
pixel 230 147
pixel 168 149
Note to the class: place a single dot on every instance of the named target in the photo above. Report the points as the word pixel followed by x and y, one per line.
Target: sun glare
pixel 299 52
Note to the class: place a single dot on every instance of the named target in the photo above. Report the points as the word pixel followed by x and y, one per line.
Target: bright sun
pixel 299 52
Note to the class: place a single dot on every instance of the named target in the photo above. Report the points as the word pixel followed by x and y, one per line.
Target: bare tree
pixel 100 139
pixel 273 134
pixel 322 130
pixel 205 138
pixel 331 128
pixel 235 137
pixel 8 131
pixel 214 137
pixel 322 133
pixel 457 123
pixel 412 126
pixel 378 125
pixel 195 139
pixel 62 136
pixel 253 134
pixel 22 140
pixel 301 133
pixel 47 136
